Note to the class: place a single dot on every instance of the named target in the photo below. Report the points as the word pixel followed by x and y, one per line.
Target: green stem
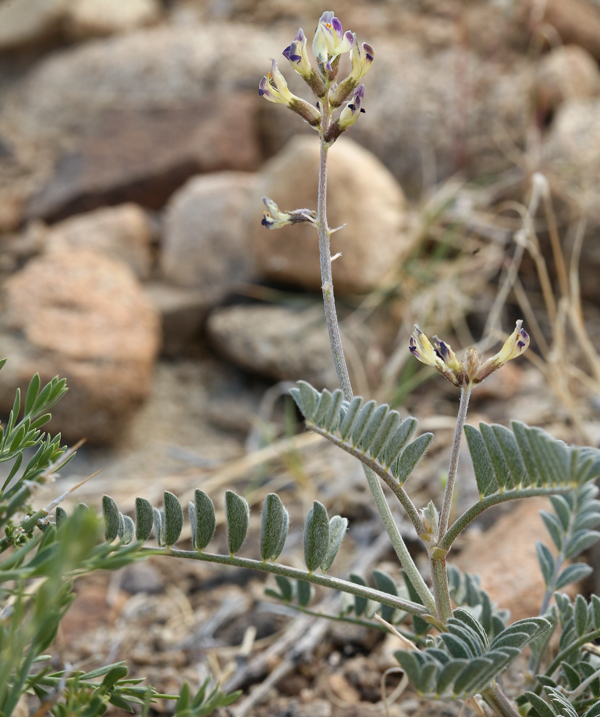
pixel 341 368
pixel 465 394
pixel 469 515
pixel 325 580
pixel 439 580
pixel 377 468
pixel 499 702
pixel 571 648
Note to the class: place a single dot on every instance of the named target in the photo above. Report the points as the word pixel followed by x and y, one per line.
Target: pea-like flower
pixel 274 218
pixel 362 59
pixel 352 110
pixel 297 56
pixel 273 87
pixel 471 370
pixel 330 39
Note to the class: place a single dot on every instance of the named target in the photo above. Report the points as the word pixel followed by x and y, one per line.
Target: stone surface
pixel 29 22
pixel 565 73
pixel 144 156
pixel 124 233
pixel 278 342
pixel 182 312
pixel 85 317
pixel 132 117
pixel 204 240
pixel 91 18
pixel 361 193
pixel 505 558
pixel 576 21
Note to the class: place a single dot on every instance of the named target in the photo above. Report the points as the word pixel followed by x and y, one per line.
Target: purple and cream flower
pixel 330 39
pixel 273 87
pixel 352 110
pixel 274 218
pixel 362 59
pixel 470 370
pixel 297 56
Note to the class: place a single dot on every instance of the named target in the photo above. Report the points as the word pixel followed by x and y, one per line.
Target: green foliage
pixel 463 661
pixel 39 562
pixel 376 435
pixel 524 457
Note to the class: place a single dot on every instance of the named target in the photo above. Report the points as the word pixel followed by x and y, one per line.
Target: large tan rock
pixel 29 22
pixel 576 21
pixel 565 73
pixel 124 233
pixel 361 194
pixel 83 316
pixel 92 18
pixel 204 240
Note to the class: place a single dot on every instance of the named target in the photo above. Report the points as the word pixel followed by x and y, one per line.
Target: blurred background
pixel 134 152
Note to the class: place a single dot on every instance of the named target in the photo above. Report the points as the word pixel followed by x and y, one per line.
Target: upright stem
pixel 499 702
pixel 325 256
pixel 465 395
pixel 439 581
pixel 342 370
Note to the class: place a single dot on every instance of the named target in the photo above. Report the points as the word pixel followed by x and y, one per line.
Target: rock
pixel 278 342
pixel 83 316
pixel 576 21
pixel 205 245
pixel 361 193
pixel 505 558
pixel 92 18
pixel 132 117
pixel 26 23
pixel 565 73
pixel 144 156
pixel 122 232
pixel 182 313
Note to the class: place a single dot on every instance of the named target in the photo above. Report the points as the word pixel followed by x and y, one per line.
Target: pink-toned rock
pixel 124 233
pixel 361 194
pixel 85 317
pixel 505 559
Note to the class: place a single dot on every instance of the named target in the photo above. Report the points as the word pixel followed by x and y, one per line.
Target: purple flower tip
pixel 300 36
pixel 337 26
pixel 286 52
pixel 349 36
pixel 360 91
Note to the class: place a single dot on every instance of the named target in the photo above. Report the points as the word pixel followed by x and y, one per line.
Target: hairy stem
pixel 439 580
pixel 342 369
pixel 378 469
pixel 325 257
pixel 499 702
pixel 465 394
pixel 325 580
pixel 469 515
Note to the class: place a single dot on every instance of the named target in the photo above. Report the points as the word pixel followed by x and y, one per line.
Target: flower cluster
pixel 471 369
pixel 329 44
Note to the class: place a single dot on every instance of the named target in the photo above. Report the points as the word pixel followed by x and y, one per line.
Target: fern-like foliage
pixel 524 457
pixel 376 435
pixel 464 661
pixel 520 462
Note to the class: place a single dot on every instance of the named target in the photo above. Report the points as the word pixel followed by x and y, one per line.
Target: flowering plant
pixel 459 642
